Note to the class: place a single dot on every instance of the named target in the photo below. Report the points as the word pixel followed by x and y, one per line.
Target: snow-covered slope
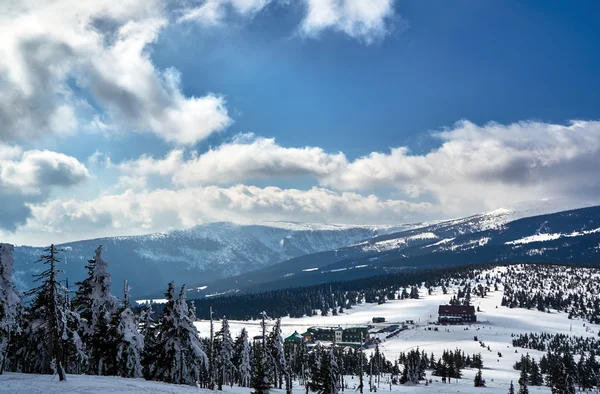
pixel 495 327
pixel 206 252
pixel 433 244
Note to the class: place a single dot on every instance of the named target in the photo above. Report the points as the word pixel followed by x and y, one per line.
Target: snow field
pixel 495 325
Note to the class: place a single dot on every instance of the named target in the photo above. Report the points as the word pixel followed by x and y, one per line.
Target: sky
pixel 141 116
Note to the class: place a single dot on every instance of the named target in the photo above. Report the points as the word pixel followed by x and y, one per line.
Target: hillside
pixel 211 251
pixel 521 233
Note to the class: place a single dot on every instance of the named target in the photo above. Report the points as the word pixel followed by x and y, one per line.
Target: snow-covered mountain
pixel 209 253
pixel 457 241
pixel 206 252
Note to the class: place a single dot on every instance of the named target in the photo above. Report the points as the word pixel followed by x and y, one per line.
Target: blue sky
pixel 348 111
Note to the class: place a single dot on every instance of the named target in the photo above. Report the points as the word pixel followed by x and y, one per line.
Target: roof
pixel 456 310
pixel 295 337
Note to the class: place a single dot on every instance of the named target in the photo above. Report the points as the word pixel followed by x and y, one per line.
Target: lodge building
pixel 456 314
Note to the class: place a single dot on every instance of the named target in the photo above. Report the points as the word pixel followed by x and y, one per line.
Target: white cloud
pixel 481 167
pixel 214 12
pixel 365 20
pixel 29 176
pixel 241 160
pixel 133 212
pixel 475 168
pixel 102 47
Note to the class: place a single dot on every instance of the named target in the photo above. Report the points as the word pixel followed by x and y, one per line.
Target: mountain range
pixel 206 252
pixel 223 257
pixel 525 233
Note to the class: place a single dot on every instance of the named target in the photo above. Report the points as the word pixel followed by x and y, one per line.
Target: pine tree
pixel 10 303
pixel 478 381
pixel 511 389
pixel 177 355
pixel 96 306
pixel 242 347
pixel 331 373
pixel 75 353
pixel 225 354
pixel 535 377
pixel 523 389
pixel 211 353
pixel 129 342
pixel 260 373
pixel 277 354
pixel 46 319
pixel 524 377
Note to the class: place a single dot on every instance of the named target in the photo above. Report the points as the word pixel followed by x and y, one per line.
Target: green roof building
pixel 295 339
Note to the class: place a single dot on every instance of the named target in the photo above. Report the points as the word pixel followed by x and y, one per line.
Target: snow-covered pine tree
pixel 211 353
pixel 129 343
pixel 156 360
pixel 242 351
pixel 224 355
pixel 330 384
pixel 103 306
pixel 277 354
pixel 177 355
pixel 325 377
pixel 10 303
pixel 46 320
pixel 146 321
pixel 82 301
pixel 193 315
pixel 260 371
pixel 75 352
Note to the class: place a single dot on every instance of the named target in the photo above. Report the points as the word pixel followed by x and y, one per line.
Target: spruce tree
pixel 523 389
pixel 511 388
pixel 478 381
pixel 277 354
pixel 260 371
pixel 176 355
pixel 128 341
pixel 225 354
pixel 242 346
pixel 96 306
pixel 10 303
pixel 46 319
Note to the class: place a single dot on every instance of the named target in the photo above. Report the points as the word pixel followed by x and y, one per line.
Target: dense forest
pixel 331 298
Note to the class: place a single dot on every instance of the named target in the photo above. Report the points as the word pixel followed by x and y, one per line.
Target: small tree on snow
pixel 479 381
pixel 511 388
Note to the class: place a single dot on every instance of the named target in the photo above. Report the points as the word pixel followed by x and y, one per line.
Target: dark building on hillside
pixel 356 334
pixel 337 334
pixel 456 314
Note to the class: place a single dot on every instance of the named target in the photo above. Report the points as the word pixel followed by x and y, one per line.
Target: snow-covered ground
pixel 494 327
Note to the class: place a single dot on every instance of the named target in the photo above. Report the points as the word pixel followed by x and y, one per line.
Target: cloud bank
pixel 29 176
